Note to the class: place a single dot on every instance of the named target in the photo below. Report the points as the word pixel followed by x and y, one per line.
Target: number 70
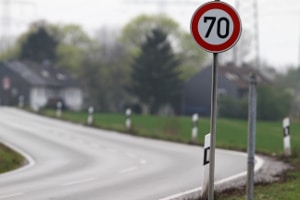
pixel 221 22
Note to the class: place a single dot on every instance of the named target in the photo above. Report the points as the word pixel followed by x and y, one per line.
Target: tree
pixel 290 81
pixel 271 104
pixel 64 44
pixel 103 73
pixel 39 45
pixel 74 42
pixel 134 34
pixel 155 74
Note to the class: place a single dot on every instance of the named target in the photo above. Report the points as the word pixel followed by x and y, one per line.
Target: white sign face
pixel 216 26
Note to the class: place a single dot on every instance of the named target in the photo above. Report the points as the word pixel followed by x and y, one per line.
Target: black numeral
pixel 223 21
pixel 213 20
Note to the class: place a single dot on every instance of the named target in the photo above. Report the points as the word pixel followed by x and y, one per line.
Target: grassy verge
pixel 287 188
pixel 9 159
pixel 231 134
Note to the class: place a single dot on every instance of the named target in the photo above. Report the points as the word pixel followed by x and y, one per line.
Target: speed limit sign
pixel 216 26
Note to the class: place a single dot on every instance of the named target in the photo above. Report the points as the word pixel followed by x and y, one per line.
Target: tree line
pixel 110 65
pixel 143 66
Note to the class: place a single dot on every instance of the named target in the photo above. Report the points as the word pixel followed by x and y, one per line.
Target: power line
pixel 161 4
pixel 8 20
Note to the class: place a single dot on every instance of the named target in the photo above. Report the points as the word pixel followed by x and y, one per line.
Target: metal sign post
pixel 251 137
pixel 213 120
pixel 216 27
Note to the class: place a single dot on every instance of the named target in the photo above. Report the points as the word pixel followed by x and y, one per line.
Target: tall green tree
pixel 39 45
pixel 134 34
pixel 155 74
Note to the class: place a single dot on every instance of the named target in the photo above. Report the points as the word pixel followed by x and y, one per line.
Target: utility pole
pixel 256 35
pixel 162 5
pixel 235 49
pixel 8 20
pixel 249 11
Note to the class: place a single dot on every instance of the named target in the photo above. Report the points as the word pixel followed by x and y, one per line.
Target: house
pixel 37 85
pixel 232 81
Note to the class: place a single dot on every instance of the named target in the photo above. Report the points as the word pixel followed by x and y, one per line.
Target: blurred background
pixel 101 44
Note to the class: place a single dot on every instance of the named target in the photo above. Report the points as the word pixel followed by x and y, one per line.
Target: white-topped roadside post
pixel 195 119
pixel 128 119
pixel 21 101
pixel 90 118
pixel 286 136
pixel 58 109
pixel 206 155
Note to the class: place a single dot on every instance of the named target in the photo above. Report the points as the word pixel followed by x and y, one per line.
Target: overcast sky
pixel 279 20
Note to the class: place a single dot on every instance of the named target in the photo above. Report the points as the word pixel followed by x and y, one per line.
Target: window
pixel 60 77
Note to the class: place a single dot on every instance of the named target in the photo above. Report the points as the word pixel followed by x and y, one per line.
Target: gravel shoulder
pixel 268 173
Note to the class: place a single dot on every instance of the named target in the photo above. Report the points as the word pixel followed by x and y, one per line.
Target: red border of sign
pixel 236 29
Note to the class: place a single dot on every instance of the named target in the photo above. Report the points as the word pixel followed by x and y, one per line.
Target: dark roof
pixel 44 74
pixel 240 76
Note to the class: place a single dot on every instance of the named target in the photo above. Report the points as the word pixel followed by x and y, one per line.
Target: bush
pixel 52 103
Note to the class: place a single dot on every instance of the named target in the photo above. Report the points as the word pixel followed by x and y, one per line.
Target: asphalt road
pixel 73 162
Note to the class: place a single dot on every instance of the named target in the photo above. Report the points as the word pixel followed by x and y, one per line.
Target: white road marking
pixel 79 181
pixel 259 163
pixel 11 195
pixel 128 170
pixel 29 159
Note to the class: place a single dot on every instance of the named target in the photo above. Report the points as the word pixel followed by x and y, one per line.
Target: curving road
pixel 73 162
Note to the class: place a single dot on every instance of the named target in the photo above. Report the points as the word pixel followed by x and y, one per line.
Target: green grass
pixel 9 159
pixel 287 188
pixel 230 134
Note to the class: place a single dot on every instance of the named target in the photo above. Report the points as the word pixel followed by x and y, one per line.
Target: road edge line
pixel 258 165
pixel 29 161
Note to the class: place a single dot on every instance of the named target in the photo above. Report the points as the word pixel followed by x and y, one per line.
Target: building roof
pixel 240 75
pixel 44 74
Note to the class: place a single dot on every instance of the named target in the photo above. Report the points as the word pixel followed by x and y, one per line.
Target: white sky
pixel 279 20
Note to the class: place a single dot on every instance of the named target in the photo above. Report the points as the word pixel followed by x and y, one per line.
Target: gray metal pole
pixel 251 137
pixel 213 118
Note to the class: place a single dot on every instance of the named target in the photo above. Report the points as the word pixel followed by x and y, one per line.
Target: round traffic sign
pixel 216 26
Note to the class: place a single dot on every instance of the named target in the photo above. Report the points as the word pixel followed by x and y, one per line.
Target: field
pixel 231 134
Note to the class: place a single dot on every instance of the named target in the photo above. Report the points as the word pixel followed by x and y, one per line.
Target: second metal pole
pixel 251 137
pixel 213 119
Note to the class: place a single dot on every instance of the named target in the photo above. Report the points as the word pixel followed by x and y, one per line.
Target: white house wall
pixel 73 98
pixel 38 97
